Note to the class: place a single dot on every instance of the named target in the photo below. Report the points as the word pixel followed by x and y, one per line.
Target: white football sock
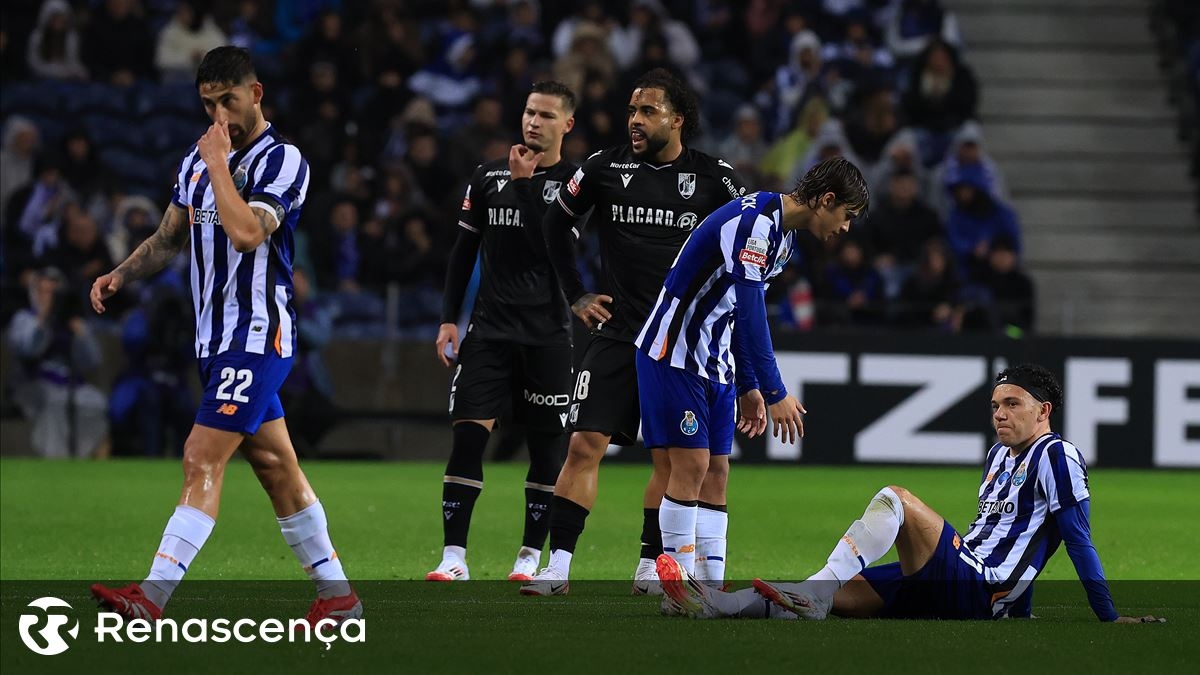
pixel 711 528
pixel 678 524
pixel 560 561
pixel 307 532
pixel 867 540
pixel 455 553
pixel 184 536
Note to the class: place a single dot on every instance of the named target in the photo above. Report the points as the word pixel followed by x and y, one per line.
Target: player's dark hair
pixel 678 95
pixel 839 176
pixel 226 65
pixel 555 88
pixel 1035 379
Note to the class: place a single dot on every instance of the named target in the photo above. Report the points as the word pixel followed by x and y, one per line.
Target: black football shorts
pixel 494 377
pixel 605 398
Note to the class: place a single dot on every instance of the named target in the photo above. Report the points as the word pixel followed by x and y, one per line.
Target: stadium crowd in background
pixel 395 102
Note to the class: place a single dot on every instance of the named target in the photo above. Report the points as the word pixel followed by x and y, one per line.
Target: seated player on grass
pixel 1033 496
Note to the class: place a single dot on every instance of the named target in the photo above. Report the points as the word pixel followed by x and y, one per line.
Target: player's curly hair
pixel 678 95
pixel 839 176
pixel 1039 377
pixel 555 88
pixel 225 65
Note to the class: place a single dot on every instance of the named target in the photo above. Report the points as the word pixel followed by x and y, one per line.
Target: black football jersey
pixel 519 297
pixel 644 213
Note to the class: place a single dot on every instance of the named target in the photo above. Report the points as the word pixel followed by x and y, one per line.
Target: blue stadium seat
pixel 23 98
pixel 171 134
pixel 135 167
pixel 115 132
pixel 92 97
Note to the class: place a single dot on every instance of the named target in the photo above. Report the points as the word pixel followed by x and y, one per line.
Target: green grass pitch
pixel 64 525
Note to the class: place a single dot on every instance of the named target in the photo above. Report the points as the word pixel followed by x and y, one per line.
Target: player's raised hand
pixel 591 308
pixel 447 334
pixel 104 288
pixel 1140 619
pixel 752 413
pixel 214 146
pixel 786 422
pixel 523 161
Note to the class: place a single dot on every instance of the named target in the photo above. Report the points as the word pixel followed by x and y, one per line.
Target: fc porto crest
pixel 687 185
pixel 550 190
pixel 689 426
pixel 239 177
pixel 1019 477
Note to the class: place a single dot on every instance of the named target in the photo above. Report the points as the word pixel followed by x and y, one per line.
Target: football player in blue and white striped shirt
pixel 706 342
pixel 237 198
pixel 1033 497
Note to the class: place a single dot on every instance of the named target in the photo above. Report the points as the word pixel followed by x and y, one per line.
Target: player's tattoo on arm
pixel 154 253
pixel 266 221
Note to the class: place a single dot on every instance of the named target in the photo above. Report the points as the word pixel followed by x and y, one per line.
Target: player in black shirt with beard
pixel 647 197
pixel 517 351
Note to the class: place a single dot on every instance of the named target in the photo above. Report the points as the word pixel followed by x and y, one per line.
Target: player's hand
pixel 447 333
pixel 104 288
pixel 752 413
pixel 786 423
pixel 1140 619
pixel 591 308
pixel 214 146
pixel 523 161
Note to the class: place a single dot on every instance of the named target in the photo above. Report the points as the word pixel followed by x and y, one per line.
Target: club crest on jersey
pixel 574 413
pixel 689 426
pixel 239 177
pixel 550 190
pixel 1018 478
pixel 687 185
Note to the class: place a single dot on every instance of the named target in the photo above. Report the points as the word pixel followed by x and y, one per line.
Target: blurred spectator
pixel 56 351
pixel 929 298
pixel 294 16
pixel 523 29
pixel 588 57
pixel 782 158
pixel 915 23
pixel 977 219
pixel 80 252
pixel 466 144
pixel 858 52
pixel 901 154
pixel 430 171
pixel 650 17
pixel 320 114
pixel 871 123
pixel 184 41
pixel 745 148
pixel 339 256
pixel 1010 288
pixel 587 12
pixel 134 219
pixel 17 157
pixel 54 47
pixel 81 167
pixel 450 81
pixel 942 94
pixel 830 142
pixel 419 267
pixel 40 206
pixel 119 45
pixel 853 290
pixel 968 149
pixel 151 407
pixel 898 225
pixel 307 394
pixel 326 43
pixel 596 118
pixel 794 82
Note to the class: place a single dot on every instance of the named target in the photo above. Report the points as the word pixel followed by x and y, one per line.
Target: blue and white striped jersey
pixel 1015 533
pixel 691 325
pixel 243 301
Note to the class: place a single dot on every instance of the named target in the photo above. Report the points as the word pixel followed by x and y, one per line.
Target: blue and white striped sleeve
pixel 182 177
pixel 1062 476
pixel 746 247
pixel 281 180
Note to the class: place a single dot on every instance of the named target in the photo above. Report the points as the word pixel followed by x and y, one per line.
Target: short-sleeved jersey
pixel 691 325
pixel 519 298
pixel 1014 533
pixel 243 301
pixel 644 213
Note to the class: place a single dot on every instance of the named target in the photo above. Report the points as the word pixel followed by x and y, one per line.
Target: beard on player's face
pixel 654 144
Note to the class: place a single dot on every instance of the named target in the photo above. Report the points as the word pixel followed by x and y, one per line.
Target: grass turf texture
pixel 78 522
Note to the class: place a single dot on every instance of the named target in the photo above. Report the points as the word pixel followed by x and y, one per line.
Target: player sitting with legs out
pixel 708 335
pixel 1034 496
pixel 646 197
pixel 237 197
pixel 517 351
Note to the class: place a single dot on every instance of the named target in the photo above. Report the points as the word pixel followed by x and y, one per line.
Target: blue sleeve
pixel 1074 526
pixel 752 335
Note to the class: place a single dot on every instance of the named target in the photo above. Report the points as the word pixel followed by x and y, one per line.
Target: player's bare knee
pixel 585 448
pixel 200 463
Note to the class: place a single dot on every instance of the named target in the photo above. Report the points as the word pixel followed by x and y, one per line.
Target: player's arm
pixel 560 227
pixel 757 351
pixel 246 225
pixel 149 257
pixel 461 264
pixel 1074 526
pixel 522 162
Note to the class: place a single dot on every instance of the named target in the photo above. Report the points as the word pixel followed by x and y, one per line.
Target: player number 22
pixel 244 378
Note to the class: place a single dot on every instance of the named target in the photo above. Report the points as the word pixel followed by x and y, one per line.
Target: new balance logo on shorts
pixel 227 409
